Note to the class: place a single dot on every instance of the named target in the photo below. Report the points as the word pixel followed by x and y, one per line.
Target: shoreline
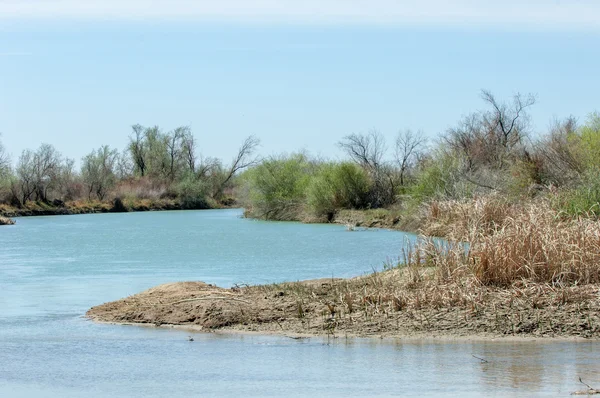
pixel 97 207
pixel 373 306
pixel 409 338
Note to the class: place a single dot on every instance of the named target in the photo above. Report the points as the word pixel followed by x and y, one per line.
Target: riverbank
pixel 387 304
pixel 89 207
pixel 6 221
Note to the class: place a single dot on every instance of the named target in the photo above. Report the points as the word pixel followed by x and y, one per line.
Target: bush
pixel 192 193
pixel 583 200
pixel 589 141
pixel 338 186
pixel 440 178
pixel 277 187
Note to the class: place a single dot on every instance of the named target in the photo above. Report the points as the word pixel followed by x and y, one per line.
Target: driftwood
pixel 208 298
pixel 481 359
pixel 589 391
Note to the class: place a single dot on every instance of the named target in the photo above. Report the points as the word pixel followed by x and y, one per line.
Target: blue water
pixel 52 269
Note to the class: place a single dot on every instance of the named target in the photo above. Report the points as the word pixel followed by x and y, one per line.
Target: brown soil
pixel 387 304
pixel 91 207
pixel 6 221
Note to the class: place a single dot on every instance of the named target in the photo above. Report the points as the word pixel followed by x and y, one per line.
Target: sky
pixel 300 75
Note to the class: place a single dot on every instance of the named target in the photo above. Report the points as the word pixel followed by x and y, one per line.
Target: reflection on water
pixel 53 269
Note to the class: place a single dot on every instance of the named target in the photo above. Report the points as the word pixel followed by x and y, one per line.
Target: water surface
pixel 52 269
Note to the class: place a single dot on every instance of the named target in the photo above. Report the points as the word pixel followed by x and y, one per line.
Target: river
pixel 52 269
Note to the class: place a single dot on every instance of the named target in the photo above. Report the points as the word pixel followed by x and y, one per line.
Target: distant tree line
pixel 490 151
pixel 155 164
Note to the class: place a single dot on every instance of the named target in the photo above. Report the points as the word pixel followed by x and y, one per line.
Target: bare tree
pixel 243 159
pixel 559 152
pixel 365 149
pixel 409 147
pixel 508 122
pixel 207 166
pixel 368 151
pixel 489 139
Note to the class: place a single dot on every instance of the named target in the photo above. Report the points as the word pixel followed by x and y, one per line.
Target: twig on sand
pixel 589 391
pixel 481 359
pixel 207 298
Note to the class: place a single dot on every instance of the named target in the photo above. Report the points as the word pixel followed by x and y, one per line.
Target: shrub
pixel 338 186
pixel 589 140
pixel 440 178
pixel 583 200
pixel 192 193
pixel 277 187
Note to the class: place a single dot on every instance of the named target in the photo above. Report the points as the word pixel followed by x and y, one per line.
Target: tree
pixel 188 147
pixel 98 171
pixel 489 142
pixel 68 181
pixel 38 173
pixel 563 164
pixel 47 168
pixel 507 122
pixel 365 149
pixel 157 158
pixel 368 151
pixel 243 159
pixel 409 147
pixel 4 160
pixel 124 167
pixel 489 138
pixel 5 171
pixel 25 187
pixel 138 149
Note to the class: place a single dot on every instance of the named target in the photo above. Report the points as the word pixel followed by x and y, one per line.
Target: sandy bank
pixel 377 305
pixel 6 221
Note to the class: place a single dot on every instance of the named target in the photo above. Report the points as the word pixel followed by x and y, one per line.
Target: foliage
pixel 192 192
pixel 277 187
pixel 338 186
pixel 440 177
pixel 98 171
pixel 589 142
pixel 582 200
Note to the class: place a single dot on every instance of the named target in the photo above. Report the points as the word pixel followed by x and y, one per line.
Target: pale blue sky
pixel 299 75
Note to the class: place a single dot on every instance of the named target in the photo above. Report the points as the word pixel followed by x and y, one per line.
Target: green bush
pixel 277 187
pixel 440 178
pixel 338 186
pixel 192 193
pixel 589 141
pixel 584 199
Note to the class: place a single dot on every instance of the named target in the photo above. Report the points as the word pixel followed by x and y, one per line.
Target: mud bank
pixel 377 305
pixel 6 221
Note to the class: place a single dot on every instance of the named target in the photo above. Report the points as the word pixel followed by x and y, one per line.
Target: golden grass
pixel 508 243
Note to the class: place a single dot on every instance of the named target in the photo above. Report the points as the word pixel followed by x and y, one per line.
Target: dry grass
pixel 510 243
pixel 140 188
